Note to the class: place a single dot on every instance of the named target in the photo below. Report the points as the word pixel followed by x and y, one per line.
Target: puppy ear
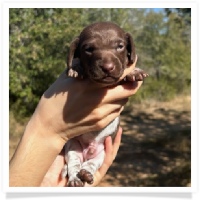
pixel 73 52
pixel 130 48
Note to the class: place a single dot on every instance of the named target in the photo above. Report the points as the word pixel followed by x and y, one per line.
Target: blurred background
pixel 156 143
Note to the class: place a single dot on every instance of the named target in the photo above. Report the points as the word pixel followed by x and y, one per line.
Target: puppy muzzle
pixel 105 68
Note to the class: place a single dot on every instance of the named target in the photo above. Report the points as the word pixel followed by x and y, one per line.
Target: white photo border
pixel 93 4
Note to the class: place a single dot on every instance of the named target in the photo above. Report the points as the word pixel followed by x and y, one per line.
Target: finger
pixel 112 147
pixel 111 151
pixel 121 91
pixel 108 150
pixel 102 123
pixel 108 157
pixel 52 177
pixel 116 143
pixel 103 112
pixel 108 108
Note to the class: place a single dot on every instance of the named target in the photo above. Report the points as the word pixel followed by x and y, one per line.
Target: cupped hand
pixel 71 107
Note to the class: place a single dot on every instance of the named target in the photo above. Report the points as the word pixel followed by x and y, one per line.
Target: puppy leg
pixel 74 159
pixel 89 168
pixel 137 75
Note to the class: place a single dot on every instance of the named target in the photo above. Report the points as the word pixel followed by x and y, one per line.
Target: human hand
pixel 53 176
pixel 71 107
pixel 67 109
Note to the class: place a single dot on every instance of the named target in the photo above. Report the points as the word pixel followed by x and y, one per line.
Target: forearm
pixel 34 155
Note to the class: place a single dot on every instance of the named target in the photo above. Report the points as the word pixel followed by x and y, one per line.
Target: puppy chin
pixel 106 81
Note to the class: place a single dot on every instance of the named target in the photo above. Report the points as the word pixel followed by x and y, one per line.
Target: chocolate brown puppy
pixel 104 50
pixel 100 53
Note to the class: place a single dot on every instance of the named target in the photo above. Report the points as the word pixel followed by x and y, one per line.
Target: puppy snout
pixel 108 67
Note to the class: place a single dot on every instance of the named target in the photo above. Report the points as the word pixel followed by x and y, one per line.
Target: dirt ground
pixel 156 145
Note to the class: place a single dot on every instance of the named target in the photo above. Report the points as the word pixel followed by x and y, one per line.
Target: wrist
pixel 41 131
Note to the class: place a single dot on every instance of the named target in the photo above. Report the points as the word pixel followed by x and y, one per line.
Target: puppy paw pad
pixel 85 176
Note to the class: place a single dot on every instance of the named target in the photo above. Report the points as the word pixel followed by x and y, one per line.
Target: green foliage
pixel 39 41
pixel 165 52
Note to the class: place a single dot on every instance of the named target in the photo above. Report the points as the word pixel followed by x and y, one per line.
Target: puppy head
pixel 104 50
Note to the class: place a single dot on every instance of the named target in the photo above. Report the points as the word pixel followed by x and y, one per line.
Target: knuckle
pixel 98 115
pixel 100 124
pixel 121 109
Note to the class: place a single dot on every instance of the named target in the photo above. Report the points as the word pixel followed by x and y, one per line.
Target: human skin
pixel 68 108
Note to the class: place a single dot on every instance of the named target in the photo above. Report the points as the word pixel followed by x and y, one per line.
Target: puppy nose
pixel 108 67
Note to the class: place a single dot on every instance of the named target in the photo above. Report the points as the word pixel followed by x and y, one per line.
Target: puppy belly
pixel 85 155
pixel 92 150
pixel 93 143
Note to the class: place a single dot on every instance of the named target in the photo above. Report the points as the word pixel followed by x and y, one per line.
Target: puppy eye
pixel 120 47
pixel 89 49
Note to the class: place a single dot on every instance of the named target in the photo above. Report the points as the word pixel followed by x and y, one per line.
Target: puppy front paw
pixel 85 176
pixel 72 73
pixel 137 75
pixel 75 71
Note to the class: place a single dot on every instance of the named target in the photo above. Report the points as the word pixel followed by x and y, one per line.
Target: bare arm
pixel 65 110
